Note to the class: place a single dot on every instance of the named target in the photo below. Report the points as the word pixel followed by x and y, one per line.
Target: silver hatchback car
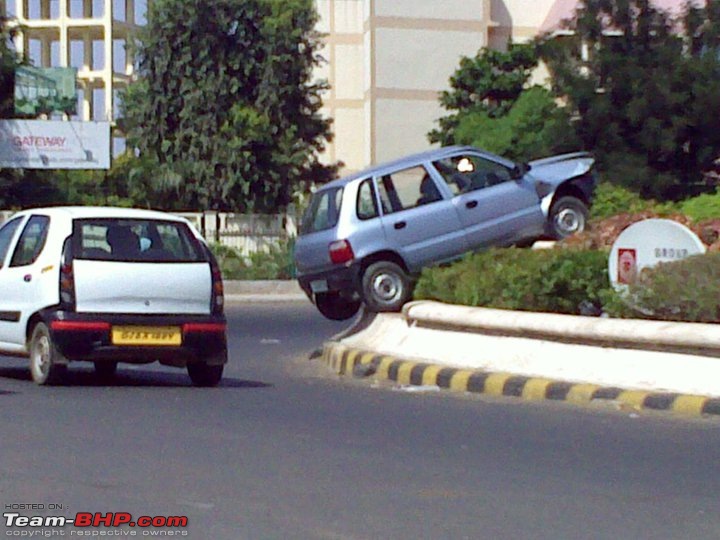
pixel 365 237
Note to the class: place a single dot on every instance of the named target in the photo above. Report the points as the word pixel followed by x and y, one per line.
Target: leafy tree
pixel 9 60
pixel 225 110
pixel 647 98
pixel 533 127
pixel 490 82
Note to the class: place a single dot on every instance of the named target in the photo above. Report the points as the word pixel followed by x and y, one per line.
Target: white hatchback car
pixel 110 285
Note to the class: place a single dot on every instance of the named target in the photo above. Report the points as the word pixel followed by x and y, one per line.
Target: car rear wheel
pixel 47 365
pixel 335 307
pixel 568 215
pixel 203 374
pixel 386 286
pixel 105 370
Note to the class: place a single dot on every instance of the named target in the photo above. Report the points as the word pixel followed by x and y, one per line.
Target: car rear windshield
pixel 323 212
pixel 135 240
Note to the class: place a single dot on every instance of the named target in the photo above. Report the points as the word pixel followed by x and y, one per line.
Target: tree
pixel 225 106
pixel 9 61
pixel 490 82
pixel 647 95
pixel 533 127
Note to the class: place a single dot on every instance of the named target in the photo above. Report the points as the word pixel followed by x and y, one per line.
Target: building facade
pixel 89 35
pixel 389 60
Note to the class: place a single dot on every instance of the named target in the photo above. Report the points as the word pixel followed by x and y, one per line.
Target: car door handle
pixel 471 204
pixel 400 225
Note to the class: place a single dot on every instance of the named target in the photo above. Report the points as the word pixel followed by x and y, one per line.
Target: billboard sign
pixel 54 144
pixel 45 90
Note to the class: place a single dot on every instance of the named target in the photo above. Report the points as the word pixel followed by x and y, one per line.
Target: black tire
pixel 203 374
pixel 105 371
pixel 47 365
pixel 335 307
pixel 386 287
pixel 568 216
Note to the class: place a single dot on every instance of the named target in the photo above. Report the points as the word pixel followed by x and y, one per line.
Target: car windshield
pixel 135 240
pixel 323 212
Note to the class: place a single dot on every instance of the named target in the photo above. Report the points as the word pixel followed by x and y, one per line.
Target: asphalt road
pixel 285 450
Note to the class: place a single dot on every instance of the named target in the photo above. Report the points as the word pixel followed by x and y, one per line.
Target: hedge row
pixel 576 282
pixel 558 280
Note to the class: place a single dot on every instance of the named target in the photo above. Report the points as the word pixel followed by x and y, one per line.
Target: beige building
pixel 388 61
pixel 90 35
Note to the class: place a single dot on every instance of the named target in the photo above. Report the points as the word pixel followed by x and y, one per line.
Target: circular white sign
pixel 646 243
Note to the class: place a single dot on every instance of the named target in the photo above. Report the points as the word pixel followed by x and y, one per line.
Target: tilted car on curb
pixel 109 285
pixel 364 237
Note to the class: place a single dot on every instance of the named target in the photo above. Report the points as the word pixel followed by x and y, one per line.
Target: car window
pixel 135 240
pixel 323 212
pixel 31 242
pixel 465 173
pixel 366 203
pixel 407 188
pixel 7 232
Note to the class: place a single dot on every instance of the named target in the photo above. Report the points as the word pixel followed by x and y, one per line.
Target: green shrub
pixel 702 207
pixel 686 290
pixel 275 263
pixel 611 199
pixel 559 280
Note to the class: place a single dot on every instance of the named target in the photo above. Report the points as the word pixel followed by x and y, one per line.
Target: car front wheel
pixel 335 307
pixel 47 364
pixel 386 286
pixel 568 215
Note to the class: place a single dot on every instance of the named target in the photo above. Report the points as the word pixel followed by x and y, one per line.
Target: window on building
pixel 98 55
pixel 55 54
pixel 98 105
pixel 77 9
pixel 35 52
pixel 98 9
pixel 77 53
pixel 141 12
pixel 80 105
pixel 119 146
pixel 119 56
pixel 34 10
pixel 54 9
pixel 119 10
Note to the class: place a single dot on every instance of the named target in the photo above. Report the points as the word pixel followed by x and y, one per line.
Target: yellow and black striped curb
pixel 350 361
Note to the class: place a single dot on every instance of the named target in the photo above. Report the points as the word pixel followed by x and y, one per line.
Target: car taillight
pixel 217 302
pixel 67 278
pixel 341 252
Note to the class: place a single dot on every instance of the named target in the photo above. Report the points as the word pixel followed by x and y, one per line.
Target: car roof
pixel 408 161
pixel 89 212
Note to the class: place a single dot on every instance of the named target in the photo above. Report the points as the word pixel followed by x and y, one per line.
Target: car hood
pixel 556 169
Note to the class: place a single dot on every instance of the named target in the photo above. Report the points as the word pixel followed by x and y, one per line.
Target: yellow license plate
pixel 146 335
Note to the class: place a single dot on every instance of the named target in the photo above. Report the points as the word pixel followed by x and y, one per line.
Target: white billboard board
pixel 646 243
pixel 54 144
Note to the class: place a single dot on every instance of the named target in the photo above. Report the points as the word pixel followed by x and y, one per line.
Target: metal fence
pixel 248 233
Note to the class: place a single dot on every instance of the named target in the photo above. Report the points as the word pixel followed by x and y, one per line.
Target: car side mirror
pixel 519 170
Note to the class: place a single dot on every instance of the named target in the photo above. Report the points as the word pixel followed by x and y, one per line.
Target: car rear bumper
pixel 342 279
pixel 89 336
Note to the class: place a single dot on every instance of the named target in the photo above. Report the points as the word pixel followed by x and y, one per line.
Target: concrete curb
pixel 680 337
pixel 358 362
